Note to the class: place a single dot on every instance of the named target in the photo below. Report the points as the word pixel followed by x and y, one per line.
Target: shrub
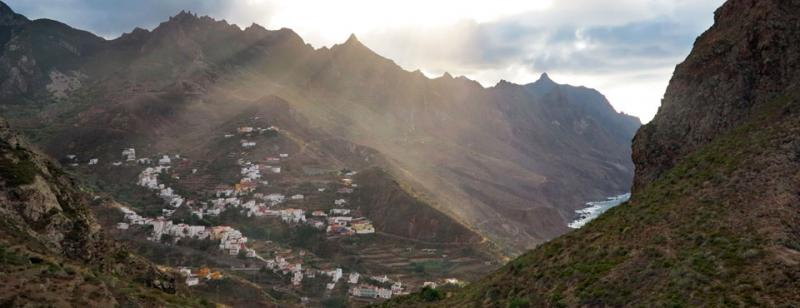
pixel 22 172
pixel 431 295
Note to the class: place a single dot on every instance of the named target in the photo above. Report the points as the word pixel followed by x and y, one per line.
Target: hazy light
pixel 330 22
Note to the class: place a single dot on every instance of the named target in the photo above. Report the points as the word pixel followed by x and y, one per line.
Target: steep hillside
pixel 714 218
pixel 52 250
pixel 511 162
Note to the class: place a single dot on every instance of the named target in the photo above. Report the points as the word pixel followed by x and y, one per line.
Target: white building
pixel 353 279
pixel 129 154
pixel 274 199
pixel 384 293
pixel 192 281
pixel 165 160
pixel 340 211
pixel 397 288
pixel 336 274
pixel 297 278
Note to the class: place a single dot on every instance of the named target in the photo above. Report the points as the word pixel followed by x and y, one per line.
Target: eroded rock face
pixel 748 58
pixel 43 211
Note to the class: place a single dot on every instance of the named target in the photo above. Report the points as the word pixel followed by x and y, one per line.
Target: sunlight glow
pixel 330 22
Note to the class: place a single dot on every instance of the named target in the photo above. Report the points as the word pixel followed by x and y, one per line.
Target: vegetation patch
pixel 17 168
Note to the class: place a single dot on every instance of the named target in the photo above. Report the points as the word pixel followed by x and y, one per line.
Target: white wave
pixel 595 208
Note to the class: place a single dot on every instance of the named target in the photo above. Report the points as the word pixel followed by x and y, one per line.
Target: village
pixel 247 196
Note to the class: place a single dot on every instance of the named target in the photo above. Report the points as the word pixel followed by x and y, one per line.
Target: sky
pixel 626 49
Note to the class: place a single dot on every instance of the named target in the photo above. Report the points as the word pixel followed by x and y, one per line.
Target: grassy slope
pixel 718 229
pixel 58 257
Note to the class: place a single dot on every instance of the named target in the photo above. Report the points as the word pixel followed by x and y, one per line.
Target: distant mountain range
pixel 713 220
pixel 510 162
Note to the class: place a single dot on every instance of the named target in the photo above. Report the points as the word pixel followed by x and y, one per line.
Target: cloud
pixel 627 49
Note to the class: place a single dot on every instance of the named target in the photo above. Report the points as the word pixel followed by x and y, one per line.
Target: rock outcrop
pixel 747 59
pixel 52 250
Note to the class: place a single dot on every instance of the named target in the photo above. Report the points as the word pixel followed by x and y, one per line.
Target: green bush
pixel 519 303
pixel 22 172
pixel 431 295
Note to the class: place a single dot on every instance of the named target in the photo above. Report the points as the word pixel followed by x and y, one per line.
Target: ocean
pixel 595 208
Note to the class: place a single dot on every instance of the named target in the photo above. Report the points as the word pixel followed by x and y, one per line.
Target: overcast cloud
pixel 627 49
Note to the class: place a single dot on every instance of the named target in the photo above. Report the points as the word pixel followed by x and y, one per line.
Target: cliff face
pixel 52 250
pixel 747 59
pixel 714 219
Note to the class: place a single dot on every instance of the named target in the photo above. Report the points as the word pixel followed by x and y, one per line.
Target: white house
pixel 340 211
pixel 397 288
pixel 353 279
pixel 384 293
pixel 274 199
pixel 129 154
pixel 192 281
pixel 297 278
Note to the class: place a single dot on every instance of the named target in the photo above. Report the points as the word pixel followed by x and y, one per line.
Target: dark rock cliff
pixel 748 58
pixel 51 248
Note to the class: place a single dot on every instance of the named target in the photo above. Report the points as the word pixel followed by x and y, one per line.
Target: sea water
pixel 595 208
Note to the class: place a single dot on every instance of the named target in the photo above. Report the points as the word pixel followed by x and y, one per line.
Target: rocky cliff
pixel 746 60
pixel 714 217
pixel 52 250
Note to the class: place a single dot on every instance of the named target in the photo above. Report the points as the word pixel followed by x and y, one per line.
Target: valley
pixel 268 210
pixel 259 170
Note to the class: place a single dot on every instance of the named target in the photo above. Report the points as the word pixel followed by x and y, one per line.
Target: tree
pixel 431 295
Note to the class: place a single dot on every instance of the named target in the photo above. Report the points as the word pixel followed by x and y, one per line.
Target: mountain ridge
pixel 713 217
pixel 486 156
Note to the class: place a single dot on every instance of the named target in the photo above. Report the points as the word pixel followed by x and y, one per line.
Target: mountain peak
pixel 352 40
pixel 353 46
pixel 545 78
pixel 543 85
pixel 255 27
pixel 183 14
pixel 10 18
